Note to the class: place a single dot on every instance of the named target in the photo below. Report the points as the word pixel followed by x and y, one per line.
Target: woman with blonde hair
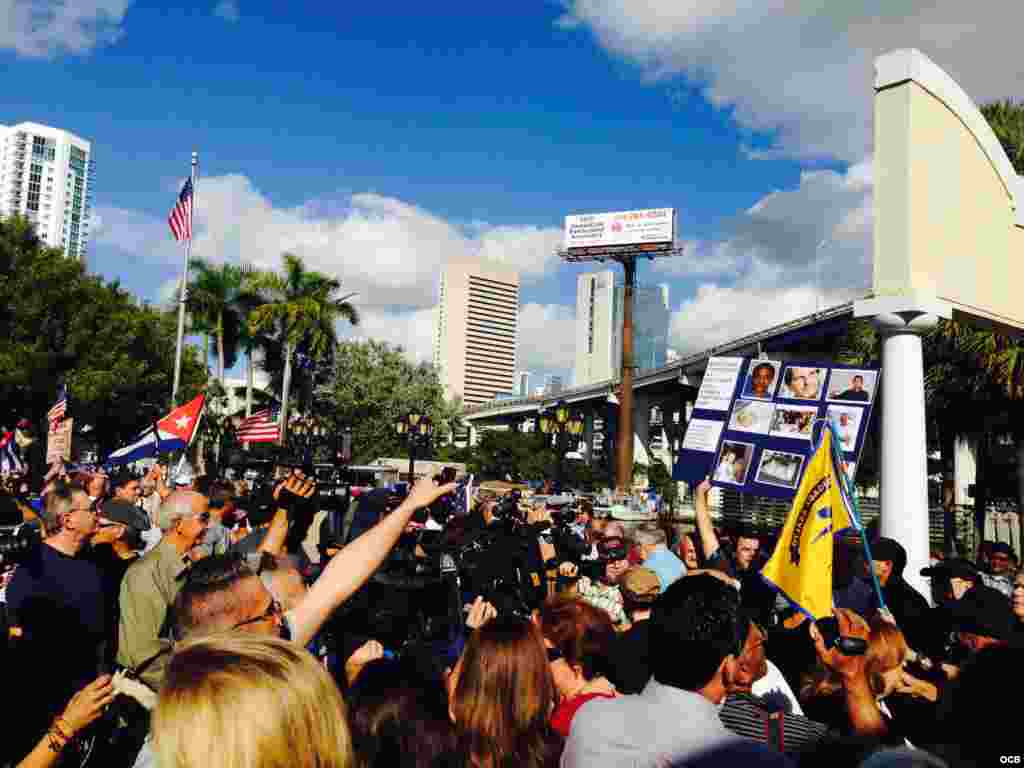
pixel 501 695
pixel 240 700
pixel 822 691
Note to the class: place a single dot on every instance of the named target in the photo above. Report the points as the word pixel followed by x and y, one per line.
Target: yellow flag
pixel 801 566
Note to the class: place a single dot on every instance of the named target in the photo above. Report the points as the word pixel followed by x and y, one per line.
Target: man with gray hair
pixel 57 615
pixel 151 585
pixel 652 542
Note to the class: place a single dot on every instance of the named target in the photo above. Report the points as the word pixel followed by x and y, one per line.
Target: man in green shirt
pixel 151 585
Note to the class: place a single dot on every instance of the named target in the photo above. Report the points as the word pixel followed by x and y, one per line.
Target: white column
pixel 904 447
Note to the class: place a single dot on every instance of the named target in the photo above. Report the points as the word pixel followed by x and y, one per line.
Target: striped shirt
pixel 750 716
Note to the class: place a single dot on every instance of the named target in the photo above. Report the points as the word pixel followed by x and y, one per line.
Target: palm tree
pixel 219 295
pixel 302 308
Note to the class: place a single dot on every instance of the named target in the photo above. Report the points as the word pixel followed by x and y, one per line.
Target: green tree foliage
pixel 370 386
pixel 301 309
pixel 520 456
pixel 117 356
pixel 218 295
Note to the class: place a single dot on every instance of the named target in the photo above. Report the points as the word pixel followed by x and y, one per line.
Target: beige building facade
pixel 476 329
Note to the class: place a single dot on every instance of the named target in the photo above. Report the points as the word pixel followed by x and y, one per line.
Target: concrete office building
pixel 47 175
pixel 476 330
pixel 599 303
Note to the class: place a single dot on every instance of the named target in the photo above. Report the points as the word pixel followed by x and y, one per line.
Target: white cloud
pixel 227 10
pixel 803 71
pixel 47 28
pixel 387 250
pixel 547 337
pixel 413 331
pixel 794 251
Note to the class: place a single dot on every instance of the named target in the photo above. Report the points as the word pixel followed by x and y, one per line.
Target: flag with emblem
pixel 173 432
pixel 801 566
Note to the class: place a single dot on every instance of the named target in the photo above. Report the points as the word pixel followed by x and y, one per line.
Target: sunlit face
pixel 746 551
pixel 690 553
pixel 81 518
pixel 130 491
pixel 804 382
pixel 999 563
pixel 1018 597
pixel 613 571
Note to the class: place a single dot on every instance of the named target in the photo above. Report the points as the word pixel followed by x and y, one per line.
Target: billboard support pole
pixel 612 237
pixel 624 449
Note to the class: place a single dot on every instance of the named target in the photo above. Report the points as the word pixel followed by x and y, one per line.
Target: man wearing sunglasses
pixel 151 585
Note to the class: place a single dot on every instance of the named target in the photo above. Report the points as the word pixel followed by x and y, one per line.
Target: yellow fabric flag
pixel 801 566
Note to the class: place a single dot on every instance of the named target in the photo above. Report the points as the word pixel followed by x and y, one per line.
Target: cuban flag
pixel 172 433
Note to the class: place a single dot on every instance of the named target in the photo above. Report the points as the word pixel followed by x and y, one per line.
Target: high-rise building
pixel 47 175
pixel 476 330
pixel 553 385
pixel 599 304
pixel 523 383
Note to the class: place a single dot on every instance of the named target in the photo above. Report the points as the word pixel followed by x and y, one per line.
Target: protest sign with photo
pixel 757 438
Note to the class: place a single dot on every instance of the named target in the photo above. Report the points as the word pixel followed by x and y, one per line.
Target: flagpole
pixel 847 490
pixel 184 285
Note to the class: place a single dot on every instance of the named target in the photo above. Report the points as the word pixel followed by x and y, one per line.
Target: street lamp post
pixel 416 428
pixel 559 423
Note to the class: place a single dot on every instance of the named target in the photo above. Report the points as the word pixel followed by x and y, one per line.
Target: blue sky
pixel 379 140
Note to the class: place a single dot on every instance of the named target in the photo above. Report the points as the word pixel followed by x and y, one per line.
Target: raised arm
pixel 353 566
pixel 708 538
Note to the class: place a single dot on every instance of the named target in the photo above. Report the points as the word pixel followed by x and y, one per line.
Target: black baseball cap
pixel 954 568
pixel 984 611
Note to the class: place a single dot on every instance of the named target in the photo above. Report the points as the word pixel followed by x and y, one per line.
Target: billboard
pixel 755 421
pixel 653 228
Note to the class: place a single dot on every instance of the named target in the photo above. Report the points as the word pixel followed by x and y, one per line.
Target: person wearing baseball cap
pixel 629 665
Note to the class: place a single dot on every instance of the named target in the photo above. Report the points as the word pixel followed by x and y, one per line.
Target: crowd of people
pixel 180 622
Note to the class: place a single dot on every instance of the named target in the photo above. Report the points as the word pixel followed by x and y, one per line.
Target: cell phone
pixel 848 646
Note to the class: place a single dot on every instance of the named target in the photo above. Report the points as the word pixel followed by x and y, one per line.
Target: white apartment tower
pixel 46 175
pixel 476 330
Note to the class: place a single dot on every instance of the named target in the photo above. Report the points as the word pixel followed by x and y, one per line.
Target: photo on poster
pixel 780 468
pixel 794 421
pixel 852 386
pixel 734 462
pixel 762 379
pixel 752 416
pixel 847 420
pixel 802 382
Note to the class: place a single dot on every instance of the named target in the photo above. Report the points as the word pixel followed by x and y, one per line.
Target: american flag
pixel 261 427
pixel 56 414
pixel 181 217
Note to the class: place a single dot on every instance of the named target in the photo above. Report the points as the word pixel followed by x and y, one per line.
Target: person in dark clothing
pixel 58 615
pixel 629 663
pixel 907 606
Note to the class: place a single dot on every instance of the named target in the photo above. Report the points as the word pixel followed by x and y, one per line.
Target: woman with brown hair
pixel 241 700
pixel 500 698
pixel 578 638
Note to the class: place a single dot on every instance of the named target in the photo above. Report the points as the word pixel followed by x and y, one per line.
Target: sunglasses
pixel 271 614
pixel 554 654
